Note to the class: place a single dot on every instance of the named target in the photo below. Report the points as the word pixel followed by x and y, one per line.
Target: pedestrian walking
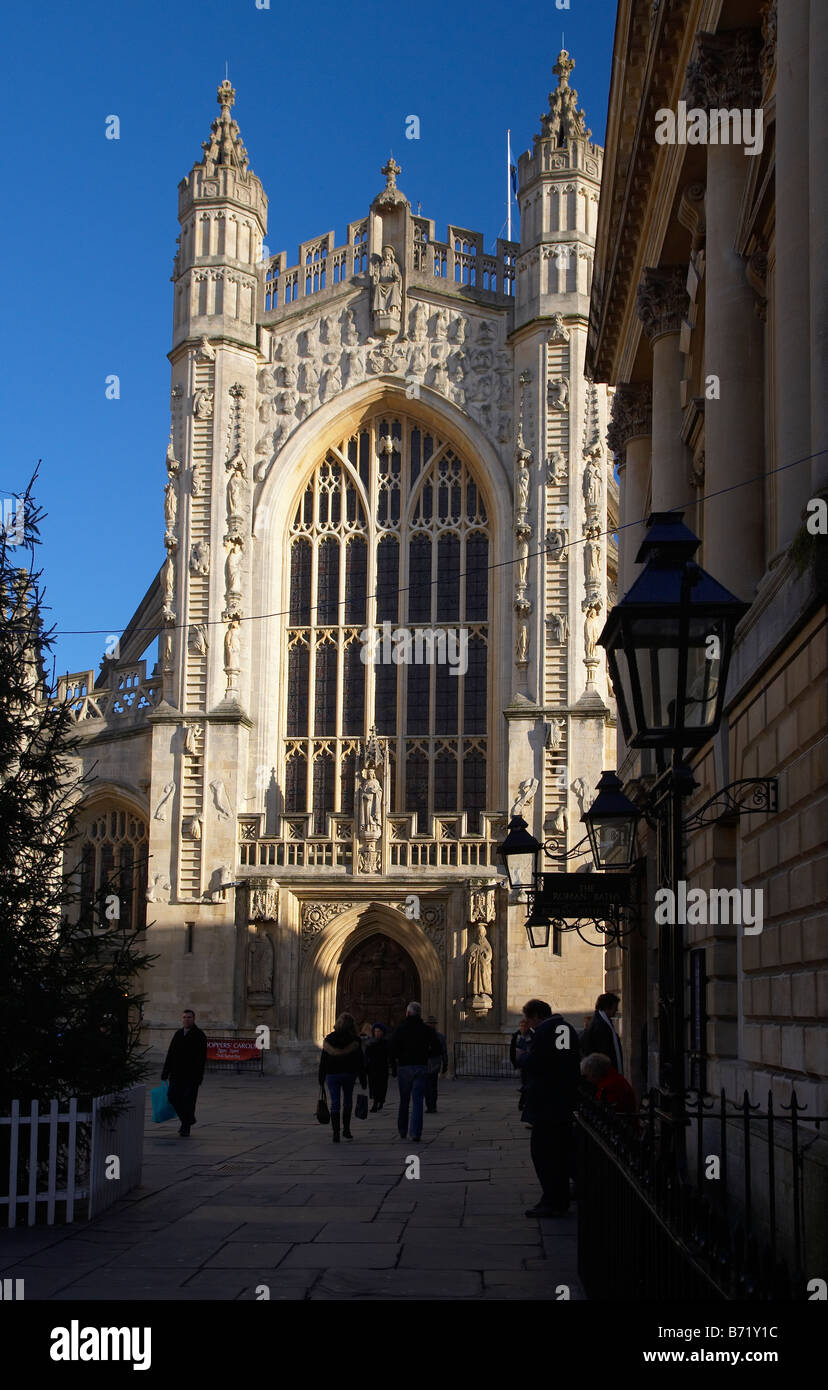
pixel 341 1065
pixel 184 1069
pixel 435 1068
pixel 376 1065
pixel 551 1070
pixel 411 1046
pixel 599 1035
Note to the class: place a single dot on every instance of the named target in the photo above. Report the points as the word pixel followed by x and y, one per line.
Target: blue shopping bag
pixel 161 1108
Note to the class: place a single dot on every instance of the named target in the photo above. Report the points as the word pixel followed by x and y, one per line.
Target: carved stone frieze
pixel 314 918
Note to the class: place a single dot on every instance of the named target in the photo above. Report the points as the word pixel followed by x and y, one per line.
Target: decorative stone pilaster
pixel 661 304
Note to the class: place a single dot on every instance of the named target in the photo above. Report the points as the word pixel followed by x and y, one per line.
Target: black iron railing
pixel 487 1060
pixel 732 1229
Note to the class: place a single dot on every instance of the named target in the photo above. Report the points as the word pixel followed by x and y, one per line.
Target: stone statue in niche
pixel 557 393
pixel 592 630
pixel 554 733
pixel 168 586
pixel 233 570
pixel 260 966
pixel 203 405
pixel 417 323
pixel 592 487
pixel 556 468
pixel 200 558
pixel 370 803
pixel 592 558
pixel 190 747
pixel 232 649
pixel 170 505
pixel 522 645
pixel 235 494
pixel 479 972
pixel 386 295
pixel 522 497
pixel 220 801
pixel 558 628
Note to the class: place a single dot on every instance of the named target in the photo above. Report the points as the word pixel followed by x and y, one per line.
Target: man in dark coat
pixel 376 1065
pixel 600 1036
pixel 411 1047
pixel 186 1056
pixel 436 1067
pixel 551 1071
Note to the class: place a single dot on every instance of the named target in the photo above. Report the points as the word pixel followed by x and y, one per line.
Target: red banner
pixel 231 1050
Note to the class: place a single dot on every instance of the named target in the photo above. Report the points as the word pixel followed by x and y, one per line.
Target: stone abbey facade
pixel 394 436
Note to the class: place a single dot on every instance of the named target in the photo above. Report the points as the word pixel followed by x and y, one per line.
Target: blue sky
pixel 89 231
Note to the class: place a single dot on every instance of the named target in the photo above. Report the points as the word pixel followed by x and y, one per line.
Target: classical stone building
pixel 390 443
pixel 708 316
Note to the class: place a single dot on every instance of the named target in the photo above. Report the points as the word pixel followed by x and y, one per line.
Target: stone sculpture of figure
pixel 329 329
pixel 197 643
pixel 190 740
pixel 479 965
pixel 592 559
pixel 522 645
pixel 233 571
pixel 311 340
pixel 558 393
pixel 310 378
pixel 417 323
pixel 556 467
pixel 232 647
pixel 200 558
pixel 440 377
pixel 558 628
pixel 592 629
pixel 579 787
pixel 458 329
pixel 168 583
pixel 554 730
pixel 441 324
pixel 417 362
pixel 522 566
pixel 525 796
pixel 260 964
pixel 332 382
pixel 558 333
pixel 158 890
pixel 222 880
pixel 556 543
pixel 559 826
pixel 220 801
pixel 161 808
pixel 350 332
pixel 522 488
pixel 235 494
pixel 592 486
pixel 370 803
pixel 170 504
pixel 386 298
pixel 203 405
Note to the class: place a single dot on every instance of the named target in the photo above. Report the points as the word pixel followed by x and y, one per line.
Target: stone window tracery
pixel 113 861
pixel 391 528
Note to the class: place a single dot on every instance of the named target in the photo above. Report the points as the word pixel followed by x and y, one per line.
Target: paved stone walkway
pixel 260 1195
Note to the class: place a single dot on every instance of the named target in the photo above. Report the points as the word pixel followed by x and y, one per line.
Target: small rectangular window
pixel 188 938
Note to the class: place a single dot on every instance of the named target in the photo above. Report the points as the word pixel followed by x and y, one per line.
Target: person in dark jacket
pixel 340 1065
pixel 411 1047
pixel 436 1067
pixel 599 1035
pixel 551 1071
pixel 376 1065
pixel 184 1068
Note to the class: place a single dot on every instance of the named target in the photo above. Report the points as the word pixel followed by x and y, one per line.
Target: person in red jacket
pixel 611 1088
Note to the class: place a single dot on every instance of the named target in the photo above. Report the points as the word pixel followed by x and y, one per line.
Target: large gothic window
pixel 113 861
pixel 390 529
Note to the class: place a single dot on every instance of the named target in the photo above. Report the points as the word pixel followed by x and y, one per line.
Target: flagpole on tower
pixel 508 185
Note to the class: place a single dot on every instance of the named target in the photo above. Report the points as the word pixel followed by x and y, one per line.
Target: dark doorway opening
pixel 378 978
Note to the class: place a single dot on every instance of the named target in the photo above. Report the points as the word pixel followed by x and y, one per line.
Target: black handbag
pixel 323 1114
pixel 361 1107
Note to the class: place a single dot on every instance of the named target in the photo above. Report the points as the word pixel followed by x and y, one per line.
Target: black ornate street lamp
pixel 520 852
pixel 611 824
pixel 538 925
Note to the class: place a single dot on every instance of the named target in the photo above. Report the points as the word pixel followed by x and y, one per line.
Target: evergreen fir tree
pixel 69 970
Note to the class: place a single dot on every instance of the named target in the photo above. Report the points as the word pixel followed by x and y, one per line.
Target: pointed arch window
pixel 390 534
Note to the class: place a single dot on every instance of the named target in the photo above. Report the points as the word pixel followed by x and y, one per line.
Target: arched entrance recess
pixel 336 943
pixel 376 981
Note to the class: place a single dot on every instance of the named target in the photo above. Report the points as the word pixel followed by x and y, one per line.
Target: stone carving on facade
pixel 556 472
pixel 724 71
pixel 259 968
pixel 580 789
pixel 205 352
pixel 159 890
pixel 417 323
pixel 315 918
pixel 263 902
pixel 522 646
pixel 235 494
pixel 592 631
pixel 479 973
pixel 631 416
pixel 593 490
pixel 192 827
pixel 557 540
pixel 197 641
pixel 370 803
pixel 554 733
pixel 165 656
pixel 200 558
pixel 161 808
pixel 564 120
pixel 523 530
pixel 168 588
pixel 232 568
pixel 203 405
pixel 386 294
pixel 221 803
pixel 222 879
pixel 232 654
pixel 190 746
pixel 557 393
pixel 662 301
pixel 525 796
pixel 560 821
pixel 480 900
pixel 767 58
pixel 558 628
pixel 593 563
pixel 170 509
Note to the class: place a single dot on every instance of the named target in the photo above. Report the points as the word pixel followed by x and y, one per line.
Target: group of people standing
pixel 552 1058
pixel 415 1053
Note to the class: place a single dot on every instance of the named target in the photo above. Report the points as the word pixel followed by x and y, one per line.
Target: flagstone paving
pixel 259 1196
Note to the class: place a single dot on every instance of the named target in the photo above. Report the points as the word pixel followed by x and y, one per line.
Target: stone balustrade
pixel 130 693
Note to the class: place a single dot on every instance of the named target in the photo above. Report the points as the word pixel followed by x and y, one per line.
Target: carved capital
pixel 662 300
pixel 724 71
pixel 632 415
pixel 767 58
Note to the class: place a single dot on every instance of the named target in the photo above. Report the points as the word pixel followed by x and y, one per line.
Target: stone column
pixel 661 304
pixel 629 439
pixel 723 74
pixel 792 300
pixel 818 205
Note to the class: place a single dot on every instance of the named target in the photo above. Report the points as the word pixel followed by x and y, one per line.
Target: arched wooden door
pixel 378 978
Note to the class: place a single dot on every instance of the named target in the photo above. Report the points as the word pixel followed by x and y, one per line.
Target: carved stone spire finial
pixel 225 145
pixel 564 120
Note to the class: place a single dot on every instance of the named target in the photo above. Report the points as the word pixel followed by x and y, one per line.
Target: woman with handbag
pixel 340 1065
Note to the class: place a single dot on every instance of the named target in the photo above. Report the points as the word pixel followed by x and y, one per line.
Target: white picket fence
pixel 31 1183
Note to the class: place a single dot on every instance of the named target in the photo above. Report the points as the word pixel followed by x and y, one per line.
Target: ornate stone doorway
pixel 378 978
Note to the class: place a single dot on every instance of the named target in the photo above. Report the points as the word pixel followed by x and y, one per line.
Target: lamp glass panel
pixel 522 870
pixel 706 642
pixel 613 839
